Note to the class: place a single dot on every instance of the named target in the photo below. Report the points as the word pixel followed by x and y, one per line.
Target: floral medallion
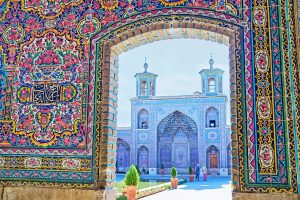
pixel 32 162
pixel 47 94
pixel 71 164
pixel 13 35
pixel 259 16
pixel 262 61
pixel 88 26
pixel 263 107
pixel 109 4
pixel 48 8
pixel 266 155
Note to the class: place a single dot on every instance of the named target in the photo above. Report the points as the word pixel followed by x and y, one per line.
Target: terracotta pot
pixel 174 183
pixel 124 191
pixel 191 178
pixel 131 192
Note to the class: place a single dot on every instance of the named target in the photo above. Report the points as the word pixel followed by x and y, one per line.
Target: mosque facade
pixel 179 131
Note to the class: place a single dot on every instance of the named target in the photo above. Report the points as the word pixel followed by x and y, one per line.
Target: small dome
pixel 211 62
pixel 145 66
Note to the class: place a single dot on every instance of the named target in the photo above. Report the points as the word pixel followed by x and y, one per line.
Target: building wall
pixel 195 108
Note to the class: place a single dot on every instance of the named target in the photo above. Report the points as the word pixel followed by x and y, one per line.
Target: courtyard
pixel 215 188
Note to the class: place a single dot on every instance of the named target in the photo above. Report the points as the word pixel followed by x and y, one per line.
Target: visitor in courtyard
pixel 204 170
pixel 197 171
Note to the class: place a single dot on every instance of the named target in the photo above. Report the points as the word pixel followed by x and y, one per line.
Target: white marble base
pixel 223 171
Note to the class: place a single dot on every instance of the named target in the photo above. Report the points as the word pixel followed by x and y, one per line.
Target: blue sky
pixel 177 63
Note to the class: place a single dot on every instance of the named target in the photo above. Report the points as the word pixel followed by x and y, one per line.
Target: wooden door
pixel 213 161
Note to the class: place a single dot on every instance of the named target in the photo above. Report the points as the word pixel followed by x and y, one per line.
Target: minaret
pixel 211 80
pixel 145 83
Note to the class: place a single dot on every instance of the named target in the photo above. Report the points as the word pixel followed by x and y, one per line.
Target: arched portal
pixel 123 156
pixel 143 159
pixel 213 159
pixel 177 136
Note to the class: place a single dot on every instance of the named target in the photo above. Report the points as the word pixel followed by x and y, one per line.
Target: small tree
pixel 173 172
pixel 132 177
pixel 190 171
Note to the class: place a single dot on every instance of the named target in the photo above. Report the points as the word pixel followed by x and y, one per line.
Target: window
pixel 212 123
pixel 143 119
pixel 220 85
pixel 212 117
pixel 211 85
pixel 151 89
pixel 144 88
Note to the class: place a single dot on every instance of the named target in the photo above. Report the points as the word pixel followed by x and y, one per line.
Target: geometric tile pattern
pixel 60 51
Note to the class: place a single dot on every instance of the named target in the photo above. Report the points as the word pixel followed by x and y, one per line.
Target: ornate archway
pixel 213 160
pixel 143 159
pixel 262 36
pixel 123 156
pixel 177 142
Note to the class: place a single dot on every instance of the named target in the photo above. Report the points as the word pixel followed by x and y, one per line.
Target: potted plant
pixel 132 180
pixel 123 188
pixel 122 197
pixel 174 180
pixel 138 169
pixel 191 175
pixel 162 171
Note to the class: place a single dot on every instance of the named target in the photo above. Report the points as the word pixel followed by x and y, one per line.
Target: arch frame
pixel 242 77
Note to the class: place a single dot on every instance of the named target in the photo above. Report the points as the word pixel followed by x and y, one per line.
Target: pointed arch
pixel 212 157
pixel 143 119
pixel 177 136
pixel 212 117
pixel 176 121
pixel 143 159
pixel 123 155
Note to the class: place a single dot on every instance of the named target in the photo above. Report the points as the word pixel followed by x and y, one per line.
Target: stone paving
pixel 215 188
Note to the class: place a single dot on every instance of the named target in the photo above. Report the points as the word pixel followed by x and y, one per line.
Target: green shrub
pixel 122 197
pixel 132 176
pixel 190 171
pixel 138 169
pixel 173 172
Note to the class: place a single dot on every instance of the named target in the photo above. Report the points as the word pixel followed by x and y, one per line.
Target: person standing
pixel 197 171
pixel 204 170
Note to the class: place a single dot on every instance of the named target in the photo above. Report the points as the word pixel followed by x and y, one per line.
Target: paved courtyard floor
pixel 215 188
